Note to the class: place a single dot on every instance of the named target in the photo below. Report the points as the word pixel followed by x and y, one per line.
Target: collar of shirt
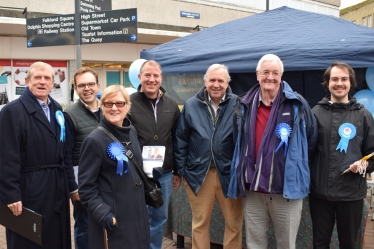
pixel 261 100
pixel 98 105
pixel 212 103
pixel 159 93
pixel 155 106
pixel 41 102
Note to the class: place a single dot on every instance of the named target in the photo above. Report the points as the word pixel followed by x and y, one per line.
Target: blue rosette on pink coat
pixel 283 132
pixel 117 152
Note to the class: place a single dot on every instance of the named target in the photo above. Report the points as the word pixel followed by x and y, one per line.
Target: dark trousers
pixel 81 225
pixel 348 216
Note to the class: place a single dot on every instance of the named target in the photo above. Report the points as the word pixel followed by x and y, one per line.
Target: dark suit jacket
pixel 32 170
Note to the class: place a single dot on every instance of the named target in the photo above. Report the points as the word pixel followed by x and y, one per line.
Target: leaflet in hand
pixel 153 156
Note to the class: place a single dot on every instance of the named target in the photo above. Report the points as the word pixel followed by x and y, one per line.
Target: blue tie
pixel 46 111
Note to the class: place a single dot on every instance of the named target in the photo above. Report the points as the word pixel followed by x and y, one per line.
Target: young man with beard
pixel 345 135
pixel 81 118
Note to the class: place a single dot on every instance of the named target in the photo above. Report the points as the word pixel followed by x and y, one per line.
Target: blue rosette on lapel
pixel 117 152
pixel 283 132
pixel 346 131
pixel 61 121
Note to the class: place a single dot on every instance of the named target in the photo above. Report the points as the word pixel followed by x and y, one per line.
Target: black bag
pixel 152 188
pixel 153 195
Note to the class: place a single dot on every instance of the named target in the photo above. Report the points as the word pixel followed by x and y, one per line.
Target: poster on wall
pixel 60 87
pixel 5 79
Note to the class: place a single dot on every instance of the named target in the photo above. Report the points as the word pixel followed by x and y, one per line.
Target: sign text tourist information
pixel 95 27
pixel 109 26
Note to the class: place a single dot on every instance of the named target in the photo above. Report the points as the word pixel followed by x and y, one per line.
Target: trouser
pixel 261 209
pixel 80 226
pixel 202 208
pixel 348 215
pixel 158 217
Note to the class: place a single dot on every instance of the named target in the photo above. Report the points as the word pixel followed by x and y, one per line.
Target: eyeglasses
pixel 110 104
pixel 89 84
pixel 267 73
pixel 336 80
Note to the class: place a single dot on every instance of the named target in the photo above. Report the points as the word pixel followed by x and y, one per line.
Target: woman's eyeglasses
pixel 110 104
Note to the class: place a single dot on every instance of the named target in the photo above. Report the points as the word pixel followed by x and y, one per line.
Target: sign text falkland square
pixel 96 27
pixel 109 26
pixel 50 31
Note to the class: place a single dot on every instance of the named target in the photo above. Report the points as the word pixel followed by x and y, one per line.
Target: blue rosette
pixel 61 121
pixel 346 131
pixel 283 132
pixel 117 152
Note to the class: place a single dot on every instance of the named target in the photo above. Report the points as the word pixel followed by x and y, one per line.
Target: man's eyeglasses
pixel 89 84
pixel 267 73
pixel 110 104
pixel 336 80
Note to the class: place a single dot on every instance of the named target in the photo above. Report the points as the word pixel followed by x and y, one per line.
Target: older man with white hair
pixel 277 131
pixel 203 151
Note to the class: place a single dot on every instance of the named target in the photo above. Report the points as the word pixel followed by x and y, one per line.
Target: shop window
pixel 126 79
pixel 113 78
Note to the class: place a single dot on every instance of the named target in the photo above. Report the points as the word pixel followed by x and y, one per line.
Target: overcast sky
pixel 347 3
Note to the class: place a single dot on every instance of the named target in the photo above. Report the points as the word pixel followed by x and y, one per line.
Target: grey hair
pixel 270 57
pixel 215 67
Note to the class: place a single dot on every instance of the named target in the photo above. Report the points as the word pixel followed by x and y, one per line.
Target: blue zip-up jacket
pixel 199 138
pixel 301 144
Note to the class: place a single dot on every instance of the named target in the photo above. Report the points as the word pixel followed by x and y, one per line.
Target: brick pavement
pixel 170 244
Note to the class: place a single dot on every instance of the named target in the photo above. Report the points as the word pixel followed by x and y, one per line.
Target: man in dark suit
pixel 32 172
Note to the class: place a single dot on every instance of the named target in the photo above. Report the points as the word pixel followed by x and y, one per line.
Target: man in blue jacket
pixel 277 131
pixel 203 151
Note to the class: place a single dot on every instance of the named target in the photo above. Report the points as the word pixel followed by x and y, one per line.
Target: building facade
pixel 361 13
pixel 159 21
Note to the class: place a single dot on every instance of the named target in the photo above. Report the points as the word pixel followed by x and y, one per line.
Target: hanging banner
pixel 60 88
pixel 5 82
pixel 181 87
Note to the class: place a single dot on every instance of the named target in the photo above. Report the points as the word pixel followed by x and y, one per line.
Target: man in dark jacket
pixel 32 170
pixel 203 152
pixel 338 183
pixel 81 118
pixel 154 115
